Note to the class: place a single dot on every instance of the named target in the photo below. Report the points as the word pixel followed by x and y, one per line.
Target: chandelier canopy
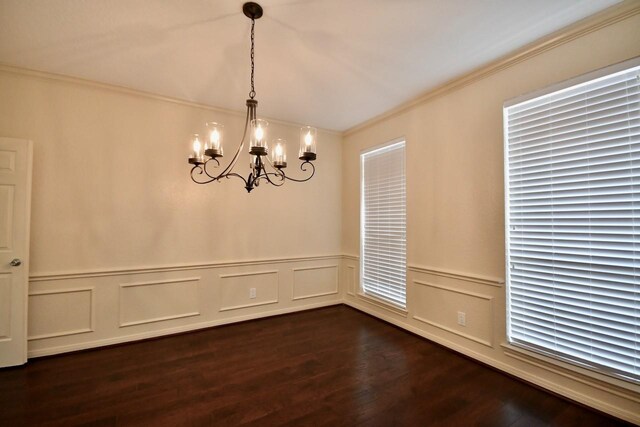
pixel 268 161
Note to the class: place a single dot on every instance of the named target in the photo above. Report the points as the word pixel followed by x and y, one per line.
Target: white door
pixel 15 208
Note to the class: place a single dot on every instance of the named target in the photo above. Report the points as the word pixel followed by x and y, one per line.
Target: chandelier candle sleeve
pixel 259 137
pixel 308 136
pixel 196 157
pixel 213 143
pixel 279 153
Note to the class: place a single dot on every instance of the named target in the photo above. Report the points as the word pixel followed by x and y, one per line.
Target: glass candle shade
pixel 258 139
pixel 279 153
pixel 213 142
pixel 308 136
pixel 197 150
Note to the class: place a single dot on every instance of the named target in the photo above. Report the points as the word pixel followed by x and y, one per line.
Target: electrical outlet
pixel 252 293
pixel 462 318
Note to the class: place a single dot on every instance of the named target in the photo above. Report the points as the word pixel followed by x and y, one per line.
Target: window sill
pixel 626 389
pixel 378 302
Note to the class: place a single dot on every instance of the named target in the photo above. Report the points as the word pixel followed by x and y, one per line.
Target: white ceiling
pixel 328 63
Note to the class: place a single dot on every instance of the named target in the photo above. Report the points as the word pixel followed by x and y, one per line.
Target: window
pixel 572 175
pixel 383 223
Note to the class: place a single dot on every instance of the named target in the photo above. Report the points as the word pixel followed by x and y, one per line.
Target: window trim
pixel 375 299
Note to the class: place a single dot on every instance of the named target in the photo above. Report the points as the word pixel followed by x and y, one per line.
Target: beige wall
pixel 111 184
pixel 125 246
pixel 455 217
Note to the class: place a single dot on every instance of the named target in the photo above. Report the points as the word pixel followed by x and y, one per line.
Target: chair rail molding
pixel 83 274
pixel 467 277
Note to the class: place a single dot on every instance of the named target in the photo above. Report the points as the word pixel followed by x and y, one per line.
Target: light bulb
pixel 259 133
pixel 278 150
pixel 215 136
pixel 196 146
pixel 308 139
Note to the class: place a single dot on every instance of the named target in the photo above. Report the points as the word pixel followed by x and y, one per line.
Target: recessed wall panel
pixel 351 280
pixel 236 290
pixel 61 312
pixel 148 302
pixel 439 306
pixel 312 282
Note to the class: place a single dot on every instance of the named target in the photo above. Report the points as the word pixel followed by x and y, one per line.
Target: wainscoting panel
pixel 61 312
pixel 351 280
pixel 310 282
pixel 5 306
pixel 74 310
pixel 148 302
pixel 438 306
pixel 236 289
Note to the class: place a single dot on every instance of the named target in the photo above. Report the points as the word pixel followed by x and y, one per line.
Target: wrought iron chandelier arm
pixel 204 168
pixel 265 175
pixel 236 175
pixel 200 171
pixel 233 162
pixel 303 168
pixel 279 173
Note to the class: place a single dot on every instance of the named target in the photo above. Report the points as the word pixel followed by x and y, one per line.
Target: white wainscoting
pixel 312 282
pixel 235 289
pixel 88 315
pixel 351 280
pixel 148 302
pixel 61 312
pixel 75 310
pixel 438 306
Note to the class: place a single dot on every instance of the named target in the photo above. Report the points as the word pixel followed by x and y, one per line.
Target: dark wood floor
pixel 332 366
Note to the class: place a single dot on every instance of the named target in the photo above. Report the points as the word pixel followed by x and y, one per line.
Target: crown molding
pixel 609 16
pixel 45 75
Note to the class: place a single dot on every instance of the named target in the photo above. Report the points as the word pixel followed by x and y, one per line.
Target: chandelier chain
pixel 252 93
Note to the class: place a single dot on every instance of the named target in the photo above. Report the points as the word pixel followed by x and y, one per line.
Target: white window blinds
pixel 383 223
pixel 573 222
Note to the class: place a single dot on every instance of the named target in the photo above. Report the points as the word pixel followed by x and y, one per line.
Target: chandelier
pixel 207 148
